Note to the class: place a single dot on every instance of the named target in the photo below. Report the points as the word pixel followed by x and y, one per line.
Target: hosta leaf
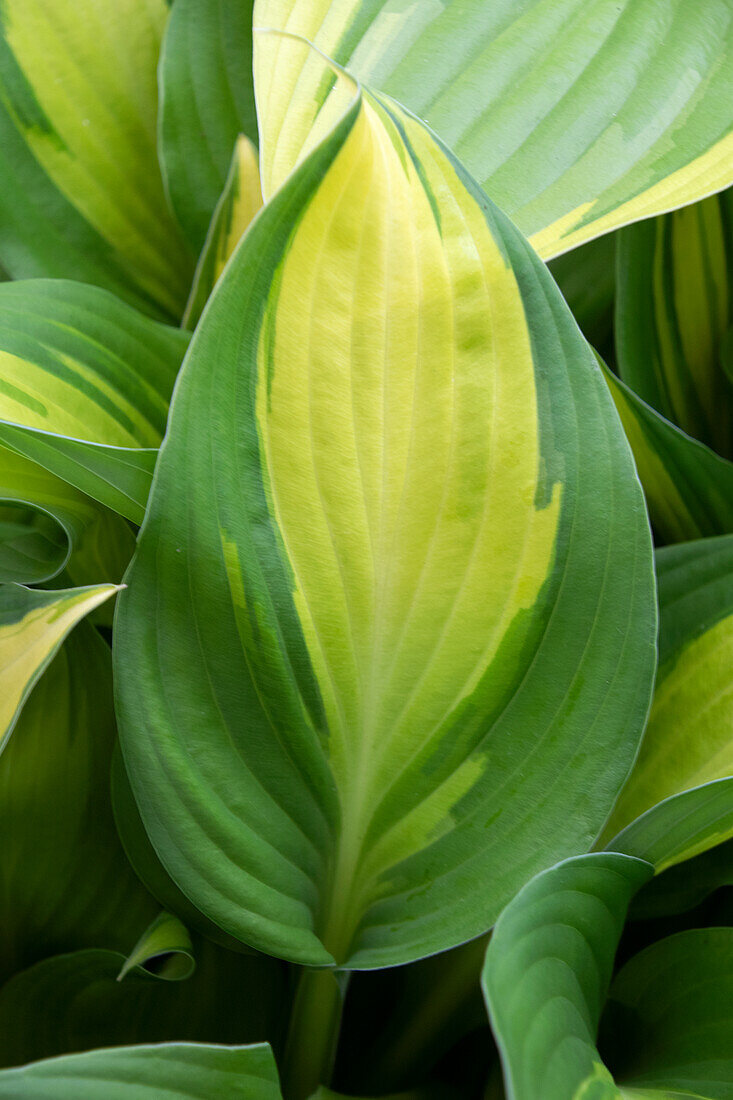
pixel 688 739
pixel 688 488
pixel 395 552
pixel 178 1071
pixel 65 881
pixel 547 972
pixel 76 1002
pixel 164 949
pixel 673 309
pixel 587 278
pixel 207 99
pixel 48 525
pixel 32 627
pixel 681 888
pixel 240 200
pixel 148 867
pixel 79 367
pixel 576 117
pixel 671 1013
pixel 82 196
pixel 680 826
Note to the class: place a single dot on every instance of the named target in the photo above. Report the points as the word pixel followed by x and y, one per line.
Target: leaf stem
pixel 315 1022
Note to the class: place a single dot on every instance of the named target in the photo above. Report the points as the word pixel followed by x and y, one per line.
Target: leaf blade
pixel 333 861
pixel 86 159
pixel 536 99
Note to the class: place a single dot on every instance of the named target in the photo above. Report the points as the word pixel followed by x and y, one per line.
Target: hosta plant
pixel 366 549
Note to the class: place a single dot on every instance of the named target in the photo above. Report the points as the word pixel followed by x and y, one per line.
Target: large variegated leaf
pixel 674 308
pixel 387 644
pixel 85 382
pixel 576 116
pixel 688 488
pixel 239 202
pixel 547 973
pixel 82 195
pixel 66 883
pixel 688 741
pixel 178 1071
pixel 207 100
pixel 76 1002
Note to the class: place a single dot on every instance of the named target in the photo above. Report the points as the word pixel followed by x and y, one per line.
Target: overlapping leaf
pixel 164 949
pixel 82 195
pixel 76 1002
pixel 674 309
pixel 240 200
pixel 148 867
pixel 675 395
pixel 66 883
pixel 587 278
pixel 179 1071
pixel 32 627
pixel 684 886
pixel 547 973
pixel 207 100
pixel 671 1012
pixel 85 382
pixel 395 553
pixel 49 526
pixel 688 488
pixel 687 743
pixel 576 117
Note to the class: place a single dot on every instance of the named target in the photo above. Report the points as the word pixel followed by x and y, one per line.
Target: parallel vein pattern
pixel 541 100
pixel 389 551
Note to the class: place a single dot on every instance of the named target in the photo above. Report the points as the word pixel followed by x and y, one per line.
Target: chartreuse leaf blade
pixel 540 101
pixel 33 624
pixel 239 202
pixel 396 550
pixel 671 1012
pixel 85 382
pixel 66 881
pixel 688 488
pixel 82 195
pixel 673 310
pixel 178 1071
pixel 687 743
pixel 547 972
pixel 207 100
